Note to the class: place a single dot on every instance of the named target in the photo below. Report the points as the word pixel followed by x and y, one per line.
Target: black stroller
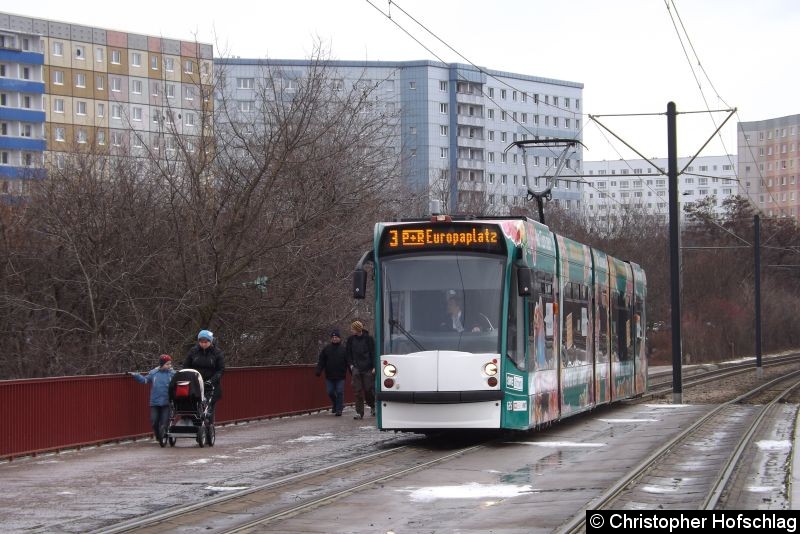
pixel 188 399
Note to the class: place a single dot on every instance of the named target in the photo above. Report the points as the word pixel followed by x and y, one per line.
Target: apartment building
pixel 454 122
pixel 65 88
pixel 613 186
pixel 769 161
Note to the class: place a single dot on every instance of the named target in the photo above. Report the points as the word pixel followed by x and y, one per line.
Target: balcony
pixel 469 98
pixel 471 164
pixel 467 120
pixel 471 142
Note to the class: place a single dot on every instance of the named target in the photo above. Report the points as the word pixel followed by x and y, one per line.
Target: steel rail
pixel 578 521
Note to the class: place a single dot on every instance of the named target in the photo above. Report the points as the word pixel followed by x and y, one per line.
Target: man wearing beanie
pixel 160 378
pixel 360 351
pixel 333 360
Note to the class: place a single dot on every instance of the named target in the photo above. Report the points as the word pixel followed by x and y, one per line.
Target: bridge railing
pixel 49 414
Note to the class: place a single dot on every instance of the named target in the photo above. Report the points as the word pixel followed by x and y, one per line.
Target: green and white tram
pixel 499 323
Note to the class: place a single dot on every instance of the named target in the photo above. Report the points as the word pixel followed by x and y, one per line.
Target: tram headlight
pixel 490 369
pixel 389 370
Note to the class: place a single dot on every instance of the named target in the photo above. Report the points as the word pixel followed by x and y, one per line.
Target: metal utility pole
pixel 674 252
pixel 757 255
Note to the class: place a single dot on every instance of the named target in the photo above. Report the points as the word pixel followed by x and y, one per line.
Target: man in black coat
pixel 361 359
pixel 333 361
pixel 206 358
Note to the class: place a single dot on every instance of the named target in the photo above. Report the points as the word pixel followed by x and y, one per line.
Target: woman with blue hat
pixel 206 358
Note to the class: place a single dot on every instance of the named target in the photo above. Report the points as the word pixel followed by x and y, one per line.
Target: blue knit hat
pixel 205 334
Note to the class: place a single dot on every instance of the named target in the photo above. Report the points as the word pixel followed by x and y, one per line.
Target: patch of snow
pixel 558 444
pixel 226 488
pixel 469 491
pixel 770 445
pixel 629 420
pixel 308 439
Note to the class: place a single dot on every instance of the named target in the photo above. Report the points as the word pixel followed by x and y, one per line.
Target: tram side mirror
pixel 359 284
pixel 524 281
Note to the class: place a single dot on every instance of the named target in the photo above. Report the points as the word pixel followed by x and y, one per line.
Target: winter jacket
pixel 361 352
pixel 333 360
pixel 210 363
pixel 160 378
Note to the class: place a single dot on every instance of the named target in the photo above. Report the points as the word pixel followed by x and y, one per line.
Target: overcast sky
pixel 627 53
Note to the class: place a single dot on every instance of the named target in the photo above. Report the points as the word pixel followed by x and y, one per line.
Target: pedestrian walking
pixel 332 360
pixel 360 350
pixel 160 378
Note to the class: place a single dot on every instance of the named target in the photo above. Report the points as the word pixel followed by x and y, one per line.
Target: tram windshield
pixel 442 302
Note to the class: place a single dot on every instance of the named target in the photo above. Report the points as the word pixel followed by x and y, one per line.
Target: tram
pixel 499 323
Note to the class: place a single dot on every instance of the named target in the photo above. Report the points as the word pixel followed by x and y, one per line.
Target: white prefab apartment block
pixel 613 186
pixel 454 122
pixel 769 161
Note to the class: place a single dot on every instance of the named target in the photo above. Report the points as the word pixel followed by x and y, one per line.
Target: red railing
pixel 47 414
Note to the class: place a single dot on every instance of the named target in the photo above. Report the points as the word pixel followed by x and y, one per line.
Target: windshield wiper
pixel 393 322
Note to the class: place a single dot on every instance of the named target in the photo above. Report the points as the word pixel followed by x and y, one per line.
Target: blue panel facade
pixel 22 143
pixel 23 115
pixel 22 173
pixel 22 86
pixel 28 58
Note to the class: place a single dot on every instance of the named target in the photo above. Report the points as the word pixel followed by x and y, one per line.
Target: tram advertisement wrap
pixel 691 520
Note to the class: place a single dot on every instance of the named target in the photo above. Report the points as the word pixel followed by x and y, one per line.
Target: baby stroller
pixel 188 399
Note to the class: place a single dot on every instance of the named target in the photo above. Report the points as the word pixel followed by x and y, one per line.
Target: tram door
pixel 542 349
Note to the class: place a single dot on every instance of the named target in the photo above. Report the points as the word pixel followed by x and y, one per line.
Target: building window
pixel 136 59
pixel 58 48
pixel 154 62
pixel 116 57
pixel 443 109
pixel 100 82
pixel 337 85
pixel 188 66
pixel 116 139
pixel 101 137
pixel 80 79
pixel 82 137
pixel 412 85
pixel 245 83
pixel 169 64
pixel 136 87
pixel 58 105
pixel 137 114
pixel 58 77
pixel 80 107
pixel 101 109
pixel 80 52
pixel 442 85
pixel 116 111
pixel 189 119
pixel 116 85
pixel 98 54
pixel 443 152
pixel 246 105
pixel 170 90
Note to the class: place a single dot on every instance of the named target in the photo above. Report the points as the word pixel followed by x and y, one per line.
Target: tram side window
pixel 576 324
pixel 615 328
pixel 516 327
pixel 540 317
pixel 602 324
pixel 622 320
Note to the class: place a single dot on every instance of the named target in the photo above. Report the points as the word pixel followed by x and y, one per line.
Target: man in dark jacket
pixel 206 358
pixel 333 361
pixel 361 359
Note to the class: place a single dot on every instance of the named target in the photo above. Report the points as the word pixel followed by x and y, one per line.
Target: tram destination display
pixel 438 237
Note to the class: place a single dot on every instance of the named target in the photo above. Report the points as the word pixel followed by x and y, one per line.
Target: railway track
pixel 247 509
pixel 693 470
pixel 661 383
